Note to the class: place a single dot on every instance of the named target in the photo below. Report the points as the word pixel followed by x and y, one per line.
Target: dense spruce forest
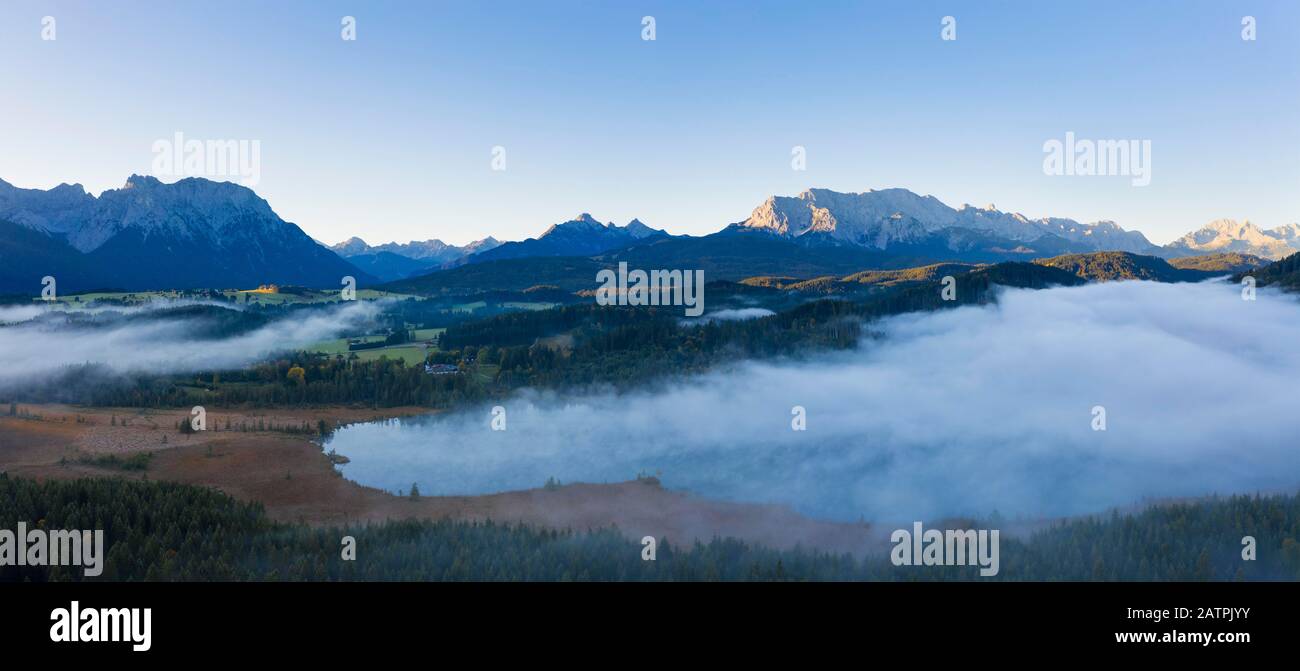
pixel 306 379
pixel 1222 262
pixel 162 531
pixel 563 347
pixel 1112 266
pixel 1284 273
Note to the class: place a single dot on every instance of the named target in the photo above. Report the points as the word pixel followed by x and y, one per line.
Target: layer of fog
pixel 13 314
pixel 957 412
pixel 730 314
pixel 17 314
pixel 31 347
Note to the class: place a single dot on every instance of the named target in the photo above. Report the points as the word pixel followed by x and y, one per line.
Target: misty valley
pixel 799 417
pixel 360 307
pixel 840 366
pixel 952 414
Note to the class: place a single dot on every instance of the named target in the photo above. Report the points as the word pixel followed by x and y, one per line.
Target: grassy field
pixel 81 300
pixel 425 334
pixel 412 355
pixel 340 345
pixel 310 296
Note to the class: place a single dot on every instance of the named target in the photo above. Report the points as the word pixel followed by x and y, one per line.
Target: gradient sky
pixel 390 136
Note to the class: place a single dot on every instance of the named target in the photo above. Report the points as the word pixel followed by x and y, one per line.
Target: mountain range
pixel 194 233
pixel 580 236
pixel 1227 235
pixel 198 233
pixel 898 218
pixel 391 261
pixel 435 251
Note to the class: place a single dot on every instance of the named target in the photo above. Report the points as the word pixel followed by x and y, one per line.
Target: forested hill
pixel 1111 266
pixel 1284 273
pixel 162 532
pixel 1223 262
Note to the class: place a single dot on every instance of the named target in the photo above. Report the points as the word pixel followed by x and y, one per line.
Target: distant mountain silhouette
pixel 150 235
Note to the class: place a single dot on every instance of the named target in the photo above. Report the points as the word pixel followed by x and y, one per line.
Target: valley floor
pixel 296 482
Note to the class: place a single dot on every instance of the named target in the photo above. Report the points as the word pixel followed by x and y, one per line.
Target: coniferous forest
pixel 164 532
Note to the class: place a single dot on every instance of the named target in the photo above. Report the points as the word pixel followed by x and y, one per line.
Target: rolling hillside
pixel 1228 262
pixel 1112 266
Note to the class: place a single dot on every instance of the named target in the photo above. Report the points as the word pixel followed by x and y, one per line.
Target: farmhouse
pixel 440 369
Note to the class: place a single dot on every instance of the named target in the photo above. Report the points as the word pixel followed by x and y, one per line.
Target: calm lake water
pixel 459 454
pixel 831 477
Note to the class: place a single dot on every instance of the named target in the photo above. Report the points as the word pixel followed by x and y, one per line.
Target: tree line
pixel 160 531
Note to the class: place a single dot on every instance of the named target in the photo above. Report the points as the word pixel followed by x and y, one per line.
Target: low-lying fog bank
pixel 157 337
pixel 958 412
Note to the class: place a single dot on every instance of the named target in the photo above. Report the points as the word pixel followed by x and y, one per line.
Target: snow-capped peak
pixel 879 218
pixel 189 208
pixel 1230 235
pixel 637 229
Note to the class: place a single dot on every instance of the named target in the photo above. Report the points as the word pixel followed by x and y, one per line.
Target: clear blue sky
pixel 389 137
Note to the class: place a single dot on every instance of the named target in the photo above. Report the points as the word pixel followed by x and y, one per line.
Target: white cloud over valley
pixel 960 411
